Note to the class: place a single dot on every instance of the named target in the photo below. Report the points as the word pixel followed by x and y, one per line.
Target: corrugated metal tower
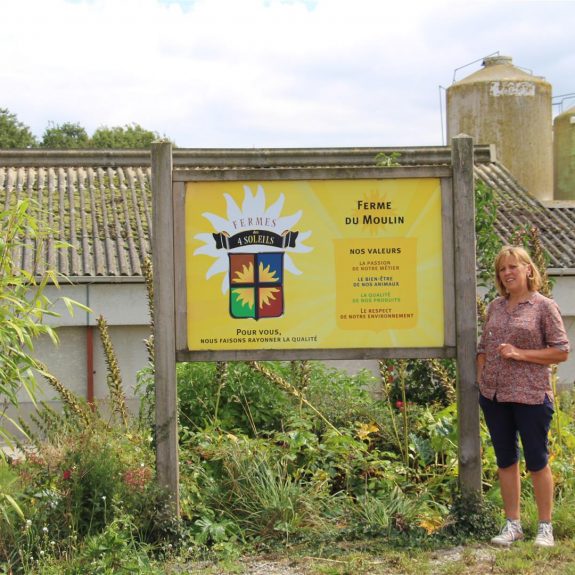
pixel 503 105
pixel 564 155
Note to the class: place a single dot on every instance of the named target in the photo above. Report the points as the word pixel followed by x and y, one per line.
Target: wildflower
pixel 399 405
pixel 67 474
pixel 137 478
pixel 104 498
pixel 45 529
pixel 28 523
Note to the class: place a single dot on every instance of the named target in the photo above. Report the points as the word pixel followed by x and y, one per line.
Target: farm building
pixel 99 203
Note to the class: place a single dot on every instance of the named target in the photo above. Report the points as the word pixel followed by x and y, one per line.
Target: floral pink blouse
pixel 533 324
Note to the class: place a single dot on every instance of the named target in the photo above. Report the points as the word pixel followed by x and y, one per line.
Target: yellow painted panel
pixel 314 264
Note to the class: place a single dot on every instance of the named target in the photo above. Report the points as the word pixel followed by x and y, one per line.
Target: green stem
pixel 405 418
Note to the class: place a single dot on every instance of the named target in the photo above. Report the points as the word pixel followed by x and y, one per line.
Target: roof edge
pixel 559 272
pixel 225 157
pixel 72 280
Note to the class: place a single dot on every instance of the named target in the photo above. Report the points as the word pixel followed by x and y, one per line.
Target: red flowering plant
pixel 138 478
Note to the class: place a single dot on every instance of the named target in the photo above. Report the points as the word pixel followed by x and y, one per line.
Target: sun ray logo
pixel 253 247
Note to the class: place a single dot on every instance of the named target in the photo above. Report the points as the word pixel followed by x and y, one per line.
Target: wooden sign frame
pixel 442 173
pixel 170 303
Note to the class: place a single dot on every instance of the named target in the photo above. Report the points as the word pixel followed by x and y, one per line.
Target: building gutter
pixel 560 272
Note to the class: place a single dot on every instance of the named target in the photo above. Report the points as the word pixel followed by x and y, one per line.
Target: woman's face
pixel 513 274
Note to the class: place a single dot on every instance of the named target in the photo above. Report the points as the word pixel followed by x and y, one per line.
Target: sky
pixel 269 73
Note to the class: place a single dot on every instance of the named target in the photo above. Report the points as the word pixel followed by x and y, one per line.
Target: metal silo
pixel 564 155
pixel 506 106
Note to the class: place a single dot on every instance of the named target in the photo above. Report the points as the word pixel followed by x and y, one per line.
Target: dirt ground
pixel 474 561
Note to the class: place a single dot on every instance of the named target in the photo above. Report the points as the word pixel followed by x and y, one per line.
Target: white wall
pixel 119 303
pixel 564 295
pixel 124 305
pixel 125 308
pixel 67 361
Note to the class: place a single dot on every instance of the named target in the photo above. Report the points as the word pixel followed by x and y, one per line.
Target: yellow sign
pixel 314 264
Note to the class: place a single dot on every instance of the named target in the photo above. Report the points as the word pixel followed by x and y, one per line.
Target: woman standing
pixel 523 335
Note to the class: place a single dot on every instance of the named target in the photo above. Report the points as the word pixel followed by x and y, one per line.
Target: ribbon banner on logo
pixel 255 237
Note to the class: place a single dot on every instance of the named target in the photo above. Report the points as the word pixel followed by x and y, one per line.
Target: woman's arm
pixel 545 356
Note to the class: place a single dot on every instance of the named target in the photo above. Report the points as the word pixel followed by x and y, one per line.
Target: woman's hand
pixel 545 356
pixel 509 351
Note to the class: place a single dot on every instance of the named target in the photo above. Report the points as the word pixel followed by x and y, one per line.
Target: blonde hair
pixel 522 256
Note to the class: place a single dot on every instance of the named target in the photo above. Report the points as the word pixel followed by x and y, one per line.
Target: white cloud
pixel 226 73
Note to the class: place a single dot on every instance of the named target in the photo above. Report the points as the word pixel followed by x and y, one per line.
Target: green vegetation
pixel 71 135
pixel 23 304
pixel 67 135
pixel 129 136
pixel 263 472
pixel 13 133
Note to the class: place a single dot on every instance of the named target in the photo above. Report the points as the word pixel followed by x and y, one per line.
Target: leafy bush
pixel 113 550
pixel 237 399
pixel 78 482
pixel 472 517
pixel 425 382
pixel 23 305
pixel 306 481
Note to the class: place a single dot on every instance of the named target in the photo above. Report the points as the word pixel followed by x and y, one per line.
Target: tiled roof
pixel 100 202
pixel 102 213
pixel 517 209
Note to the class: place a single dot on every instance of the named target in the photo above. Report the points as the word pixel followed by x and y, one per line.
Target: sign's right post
pixel 466 313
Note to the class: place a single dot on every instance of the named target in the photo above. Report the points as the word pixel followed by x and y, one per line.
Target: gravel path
pixel 478 561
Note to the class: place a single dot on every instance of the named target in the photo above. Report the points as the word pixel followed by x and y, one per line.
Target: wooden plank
pixel 286 157
pixel 317 173
pixel 164 329
pixel 181 305
pixel 466 314
pixel 319 354
pixel 448 272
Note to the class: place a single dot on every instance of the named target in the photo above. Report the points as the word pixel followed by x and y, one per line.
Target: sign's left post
pixel 164 322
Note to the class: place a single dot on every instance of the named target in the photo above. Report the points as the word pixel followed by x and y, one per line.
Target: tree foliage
pixel 13 133
pixel 128 136
pixel 67 135
pixel 72 135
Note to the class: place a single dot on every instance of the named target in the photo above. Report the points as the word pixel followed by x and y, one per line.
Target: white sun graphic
pixel 241 219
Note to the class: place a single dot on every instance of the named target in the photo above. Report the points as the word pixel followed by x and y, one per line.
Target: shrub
pixel 471 517
pixel 235 399
pixel 23 304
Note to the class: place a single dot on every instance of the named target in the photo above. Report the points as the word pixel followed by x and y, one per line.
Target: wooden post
pixel 466 313
pixel 164 321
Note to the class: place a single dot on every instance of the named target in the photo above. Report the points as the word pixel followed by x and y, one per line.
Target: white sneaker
pixel 544 535
pixel 510 533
